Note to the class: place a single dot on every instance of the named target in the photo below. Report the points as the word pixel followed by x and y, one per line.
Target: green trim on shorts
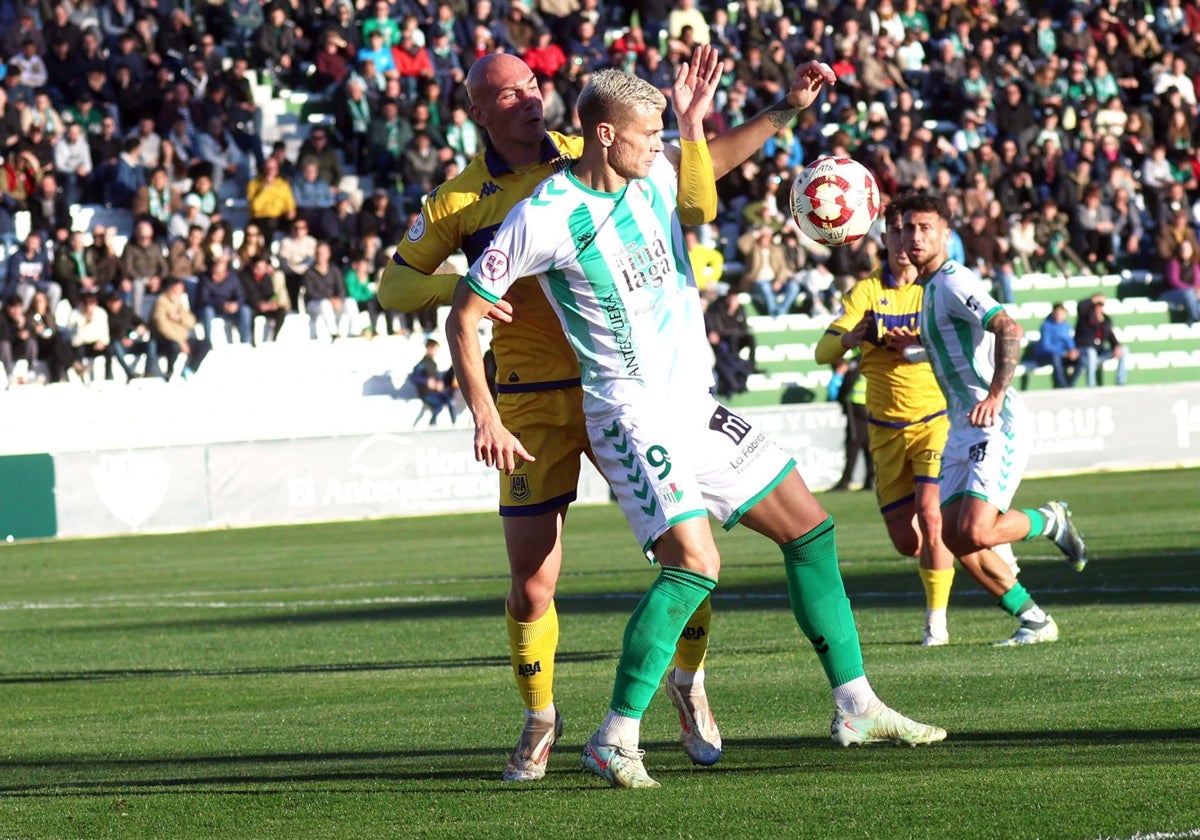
pixel 972 494
pixel 759 496
pixel 648 548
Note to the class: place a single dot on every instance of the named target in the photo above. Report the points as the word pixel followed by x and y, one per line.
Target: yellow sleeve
pixel 404 289
pixel 829 349
pixel 697 198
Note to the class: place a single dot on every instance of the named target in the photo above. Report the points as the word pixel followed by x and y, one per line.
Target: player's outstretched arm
pixel 730 148
pixel 494 444
pixel 404 289
pixel 1007 355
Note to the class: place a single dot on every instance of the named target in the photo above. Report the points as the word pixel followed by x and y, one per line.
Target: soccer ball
pixel 835 200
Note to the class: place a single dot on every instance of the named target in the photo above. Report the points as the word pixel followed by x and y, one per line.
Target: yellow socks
pixel 692 646
pixel 937 587
pixel 533 645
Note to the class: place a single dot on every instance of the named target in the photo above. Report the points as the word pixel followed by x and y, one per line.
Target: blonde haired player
pixel 538 381
pixel 605 241
pixel 907 421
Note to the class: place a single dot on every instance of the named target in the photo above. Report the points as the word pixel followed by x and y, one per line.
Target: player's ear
pixel 606 133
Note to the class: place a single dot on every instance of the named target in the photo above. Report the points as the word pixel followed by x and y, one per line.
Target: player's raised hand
pixel 694 89
pixel 497 447
pixel 806 84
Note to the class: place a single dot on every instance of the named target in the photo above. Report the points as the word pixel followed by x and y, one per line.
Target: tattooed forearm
pixel 782 113
pixel 1008 351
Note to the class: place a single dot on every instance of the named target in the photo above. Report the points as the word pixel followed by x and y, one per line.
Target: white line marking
pixel 105 604
pixel 166 601
pixel 1158 835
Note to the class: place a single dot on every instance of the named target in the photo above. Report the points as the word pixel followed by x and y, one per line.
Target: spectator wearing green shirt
pixel 383 22
pixel 361 288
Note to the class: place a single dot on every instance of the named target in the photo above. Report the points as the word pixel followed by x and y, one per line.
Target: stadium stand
pixel 289 103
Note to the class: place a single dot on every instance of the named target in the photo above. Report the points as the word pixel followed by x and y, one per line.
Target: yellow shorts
pixel 905 457
pixel 550 425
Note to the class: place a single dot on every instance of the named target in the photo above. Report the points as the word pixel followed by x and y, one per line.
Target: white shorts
pixel 668 463
pixel 987 463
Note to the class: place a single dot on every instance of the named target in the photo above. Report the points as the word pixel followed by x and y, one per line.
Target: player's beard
pixel 923 268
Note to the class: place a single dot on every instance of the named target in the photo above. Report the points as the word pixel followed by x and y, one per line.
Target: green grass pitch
pixel 351 680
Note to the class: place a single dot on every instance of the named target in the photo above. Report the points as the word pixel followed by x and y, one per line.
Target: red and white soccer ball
pixel 835 200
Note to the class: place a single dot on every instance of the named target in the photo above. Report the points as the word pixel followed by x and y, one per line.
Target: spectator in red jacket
pixel 412 64
pixel 544 57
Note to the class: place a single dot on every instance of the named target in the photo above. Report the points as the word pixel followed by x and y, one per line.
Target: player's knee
pixel 972 535
pixel 529 599
pixel 906 541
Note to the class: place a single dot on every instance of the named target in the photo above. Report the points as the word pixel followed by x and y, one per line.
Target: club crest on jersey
pixel 494 265
pixel 418 228
pixel 518 488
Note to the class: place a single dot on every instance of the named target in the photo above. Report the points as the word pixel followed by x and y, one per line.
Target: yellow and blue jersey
pixel 899 393
pixel 464 213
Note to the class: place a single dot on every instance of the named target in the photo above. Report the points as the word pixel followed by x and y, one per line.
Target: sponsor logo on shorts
pixel 978 452
pixel 418 228
pixel 749 452
pixel 518 487
pixel 729 424
pixel 494 265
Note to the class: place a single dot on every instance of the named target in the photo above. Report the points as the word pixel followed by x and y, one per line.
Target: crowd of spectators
pixel 1060 133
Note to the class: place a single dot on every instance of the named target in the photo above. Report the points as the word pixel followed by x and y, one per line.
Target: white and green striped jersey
pixel 615 268
pixel 954 316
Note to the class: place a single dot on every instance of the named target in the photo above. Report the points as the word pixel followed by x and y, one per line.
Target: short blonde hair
pixel 611 95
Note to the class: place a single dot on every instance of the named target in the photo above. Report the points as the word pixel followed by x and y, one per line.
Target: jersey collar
pixel 888 278
pixel 497 166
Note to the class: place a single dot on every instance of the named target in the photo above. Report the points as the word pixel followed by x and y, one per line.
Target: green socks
pixel 651 634
pixel 1040 521
pixel 820 605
